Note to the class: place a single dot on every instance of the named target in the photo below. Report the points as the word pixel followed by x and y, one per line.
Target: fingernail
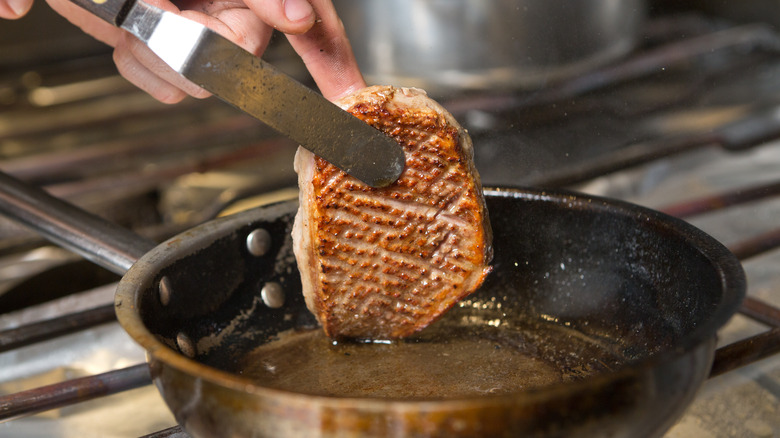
pixel 296 10
pixel 20 7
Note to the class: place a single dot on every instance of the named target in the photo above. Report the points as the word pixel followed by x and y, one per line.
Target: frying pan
pixel 599 319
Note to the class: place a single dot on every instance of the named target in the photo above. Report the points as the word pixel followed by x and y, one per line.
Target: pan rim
pixel 732 281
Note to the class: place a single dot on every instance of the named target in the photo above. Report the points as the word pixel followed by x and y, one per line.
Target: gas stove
pixel 688 123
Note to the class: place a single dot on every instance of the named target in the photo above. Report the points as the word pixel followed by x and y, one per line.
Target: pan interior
pixel 453 358
pixel 578 288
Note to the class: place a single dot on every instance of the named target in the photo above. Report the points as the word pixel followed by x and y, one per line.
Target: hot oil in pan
pixel 458 356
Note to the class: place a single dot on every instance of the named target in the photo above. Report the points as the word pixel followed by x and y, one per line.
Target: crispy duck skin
pixel 385 263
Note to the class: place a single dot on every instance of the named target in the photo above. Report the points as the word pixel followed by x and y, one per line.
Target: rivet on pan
pixel 164 289
pixel 258 242
pixel 272 295
pixel 185 344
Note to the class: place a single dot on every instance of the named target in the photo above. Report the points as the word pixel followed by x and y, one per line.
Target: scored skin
pixel 385 263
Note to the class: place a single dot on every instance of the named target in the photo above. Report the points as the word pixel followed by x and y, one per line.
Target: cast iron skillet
pixel 612 308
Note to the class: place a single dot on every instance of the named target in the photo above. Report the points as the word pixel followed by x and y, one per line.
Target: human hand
pixel 312 27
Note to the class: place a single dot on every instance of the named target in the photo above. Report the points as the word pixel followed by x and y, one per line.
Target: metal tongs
pixel 256 87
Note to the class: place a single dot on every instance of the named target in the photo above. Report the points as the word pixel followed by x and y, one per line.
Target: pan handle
pixel 104 243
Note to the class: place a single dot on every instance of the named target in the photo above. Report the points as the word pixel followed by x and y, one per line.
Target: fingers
pixel 89 23
pixel 136 63
pixel 327 53
pixel 288 16
pixel 139 65
pixel 317 35
pixel 313 28
pixel 13 9
pixel 238 24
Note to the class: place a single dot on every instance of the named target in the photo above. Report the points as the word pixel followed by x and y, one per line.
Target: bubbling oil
pixel 444 361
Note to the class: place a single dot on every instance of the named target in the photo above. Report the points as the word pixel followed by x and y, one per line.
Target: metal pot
pixel 444 45
pixel 622 304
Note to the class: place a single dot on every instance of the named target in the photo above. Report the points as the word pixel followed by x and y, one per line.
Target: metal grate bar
pixel 52 328
pixel 66 393
pixel 745 352
pixel 723 200
pixel 757 245
pixel 761 312
pixel 763 345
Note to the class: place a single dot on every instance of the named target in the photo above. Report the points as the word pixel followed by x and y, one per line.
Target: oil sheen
pixel 448 360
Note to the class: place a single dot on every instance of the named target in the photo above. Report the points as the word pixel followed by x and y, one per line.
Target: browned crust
pixel 385 263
